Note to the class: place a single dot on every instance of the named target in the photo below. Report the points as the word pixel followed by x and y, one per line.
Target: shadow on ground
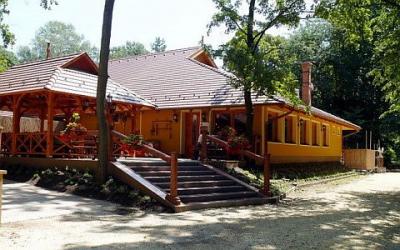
pixel 356 220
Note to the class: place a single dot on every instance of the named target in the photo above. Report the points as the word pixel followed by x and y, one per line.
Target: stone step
pixel 167 168
pixel 217 196
pixel 207 190
pixel 189 184
pixel 168 173
pixel 186 178
pixel 132 163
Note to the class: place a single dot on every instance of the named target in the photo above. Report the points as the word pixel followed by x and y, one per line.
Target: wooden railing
pixel 170 159
pixel 265 160
pixel 31 143
pixel 5 145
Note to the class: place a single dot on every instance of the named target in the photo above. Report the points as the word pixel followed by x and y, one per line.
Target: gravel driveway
pixel 358 214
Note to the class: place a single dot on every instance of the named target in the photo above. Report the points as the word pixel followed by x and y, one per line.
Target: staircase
pixel 199 186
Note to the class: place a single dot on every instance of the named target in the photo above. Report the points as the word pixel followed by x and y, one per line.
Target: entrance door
pixel 192 132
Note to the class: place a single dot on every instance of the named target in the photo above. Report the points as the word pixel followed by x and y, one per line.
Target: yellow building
pixel 190 91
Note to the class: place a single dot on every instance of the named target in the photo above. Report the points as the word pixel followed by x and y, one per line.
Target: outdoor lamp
pixel 109 98
pixel 85 104
pixel 175 117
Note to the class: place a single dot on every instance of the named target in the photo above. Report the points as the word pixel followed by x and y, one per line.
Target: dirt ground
pixel 361 213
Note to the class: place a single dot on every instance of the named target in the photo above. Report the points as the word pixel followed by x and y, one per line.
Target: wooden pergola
pixel 51 91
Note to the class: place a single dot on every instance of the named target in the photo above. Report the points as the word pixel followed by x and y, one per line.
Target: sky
pixel 181 23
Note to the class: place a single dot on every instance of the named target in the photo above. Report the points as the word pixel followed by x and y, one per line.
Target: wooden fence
pixel 363 159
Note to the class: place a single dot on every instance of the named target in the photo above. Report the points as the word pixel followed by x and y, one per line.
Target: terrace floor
pixel 361 213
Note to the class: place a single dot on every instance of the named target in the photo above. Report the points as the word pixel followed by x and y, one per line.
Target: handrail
pixel 170 159
pixel 264 159
pixel 218 141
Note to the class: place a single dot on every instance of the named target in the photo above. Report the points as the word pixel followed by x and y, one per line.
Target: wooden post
pixel 42 117
pixel 50 118
pixel 267 175
pixel 16 123
pixel 2 172
pixel 173 192
pixel 203 155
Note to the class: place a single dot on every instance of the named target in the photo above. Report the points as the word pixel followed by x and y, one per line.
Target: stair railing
pixel 170 159
pixel 266 159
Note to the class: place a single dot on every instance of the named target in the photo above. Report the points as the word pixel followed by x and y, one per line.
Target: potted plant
pixel 74 128
pixel 132 144
pixel 237 143
pixel 226 132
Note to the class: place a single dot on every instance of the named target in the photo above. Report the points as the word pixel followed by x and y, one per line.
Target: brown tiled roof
pixel 175 80
pixel 31 76
pixel 50 75
pixel 81 83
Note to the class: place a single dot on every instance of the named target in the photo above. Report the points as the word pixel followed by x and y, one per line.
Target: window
pixel 315 135
pixel 221 121
pixel 272 128
pixel 325 134
pixel 239 123
pixel 289 132
pixel 303 132
pixel 236 120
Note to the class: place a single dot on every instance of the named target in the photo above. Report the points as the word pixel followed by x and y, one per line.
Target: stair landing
pixel 199 186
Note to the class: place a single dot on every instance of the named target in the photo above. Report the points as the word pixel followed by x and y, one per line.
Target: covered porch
pixel 54 112
pixel 59 95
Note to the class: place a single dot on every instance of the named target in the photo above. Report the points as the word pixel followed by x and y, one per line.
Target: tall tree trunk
pixel 249 115
pixel 104 133
pixel 247 89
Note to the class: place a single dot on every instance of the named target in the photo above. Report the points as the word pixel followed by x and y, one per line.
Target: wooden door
pixel 192 132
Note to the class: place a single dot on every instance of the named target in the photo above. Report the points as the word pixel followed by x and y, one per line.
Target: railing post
pixel 267 175
pixel 173 192
pixel 203 154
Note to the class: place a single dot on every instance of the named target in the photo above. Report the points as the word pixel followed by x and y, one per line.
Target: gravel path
pixel 357 214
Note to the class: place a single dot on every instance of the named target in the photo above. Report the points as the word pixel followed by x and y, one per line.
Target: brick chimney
pixel 48 51
pixel 306 86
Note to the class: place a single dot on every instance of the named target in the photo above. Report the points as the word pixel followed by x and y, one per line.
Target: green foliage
pixel 251 55
pixel 46 4
pixel 130 48
pixel 63 38
pixel 158 45
pixel 269 72
pixel 371 32
pixel 343 85
pixel 7 59
pixel 133 140
pixel 6 34
pixel 376 22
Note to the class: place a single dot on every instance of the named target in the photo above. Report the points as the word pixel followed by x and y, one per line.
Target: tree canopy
pixel 130 48
pixel 63 38
pixel 158 45
pixel 376 22
pixel 245 56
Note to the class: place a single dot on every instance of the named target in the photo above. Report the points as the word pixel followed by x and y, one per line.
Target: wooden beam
pixel 16 108
pixel 50 117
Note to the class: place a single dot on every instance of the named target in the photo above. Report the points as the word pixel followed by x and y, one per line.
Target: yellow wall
pixel 90 122
pixel 282 152
pixel 158 125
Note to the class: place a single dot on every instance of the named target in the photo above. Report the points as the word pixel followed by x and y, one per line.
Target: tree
pixel 63 38
pixel 250 29
pixel 158 45
pixel 378 22
pixel 7 59
pixel 104 133
pixel 130 48
pixel 8 38
pixel 342 82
